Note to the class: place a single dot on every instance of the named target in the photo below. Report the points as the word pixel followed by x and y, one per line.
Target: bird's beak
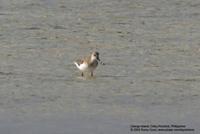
pixel 98 58
pixel 100 61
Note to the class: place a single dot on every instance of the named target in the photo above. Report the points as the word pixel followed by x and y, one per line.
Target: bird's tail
pixel 76 63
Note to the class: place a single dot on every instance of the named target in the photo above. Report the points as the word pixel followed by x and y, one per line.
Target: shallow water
pixel 152 72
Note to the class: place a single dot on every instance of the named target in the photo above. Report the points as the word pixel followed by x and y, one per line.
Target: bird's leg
pixel 82 74
pixel 92 74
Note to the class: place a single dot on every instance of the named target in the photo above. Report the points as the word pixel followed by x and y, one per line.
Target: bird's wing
pixel 79 61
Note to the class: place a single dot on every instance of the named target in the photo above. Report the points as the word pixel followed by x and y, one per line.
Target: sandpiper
pixel 89 63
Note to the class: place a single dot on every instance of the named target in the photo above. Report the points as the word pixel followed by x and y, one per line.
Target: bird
pixel 88 63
